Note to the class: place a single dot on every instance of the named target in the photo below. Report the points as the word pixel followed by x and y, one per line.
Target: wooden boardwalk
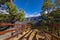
pixel 28 35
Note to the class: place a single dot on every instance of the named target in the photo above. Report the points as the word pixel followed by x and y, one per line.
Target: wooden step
pixel 19 35
pixel 24 36
pixel 32 35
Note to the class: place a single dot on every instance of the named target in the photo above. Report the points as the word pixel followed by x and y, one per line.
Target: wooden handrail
pixel 52 34
pixel 9 24
pixel 10 30
pixel 56 25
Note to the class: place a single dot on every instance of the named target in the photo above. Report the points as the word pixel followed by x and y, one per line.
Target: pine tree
pixel 47 5
pixel 57 4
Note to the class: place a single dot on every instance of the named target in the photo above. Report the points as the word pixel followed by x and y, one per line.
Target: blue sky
pixel 31 7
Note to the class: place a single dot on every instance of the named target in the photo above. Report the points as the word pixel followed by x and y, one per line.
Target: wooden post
pixel 11 1
pixel 52 29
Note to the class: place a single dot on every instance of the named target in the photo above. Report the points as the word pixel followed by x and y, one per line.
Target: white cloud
pixel 33 15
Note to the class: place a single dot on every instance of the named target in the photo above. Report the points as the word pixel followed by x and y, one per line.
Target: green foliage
pixel 2 1
pixel 4 17
pixel 57 31
pixel 31 25
pixel 12 8
pixel 57 3
pixel 1 17
pixel 53 16
pixel 47 28
pixel 13 13
pixel 47 5
pixel 43 22
pixel 21 15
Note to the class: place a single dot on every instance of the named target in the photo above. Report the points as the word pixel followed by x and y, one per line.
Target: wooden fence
pixel 11 29
pixel 53 36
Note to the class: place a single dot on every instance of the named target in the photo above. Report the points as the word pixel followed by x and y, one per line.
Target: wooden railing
pixel 11 29
pixel 9 24
pixel 53 37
